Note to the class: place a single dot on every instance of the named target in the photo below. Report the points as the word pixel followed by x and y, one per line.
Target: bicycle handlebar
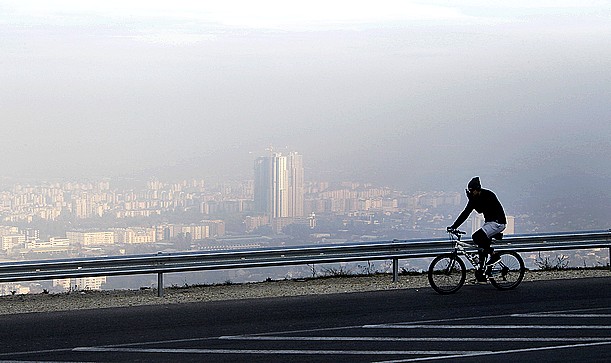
pixel 456 232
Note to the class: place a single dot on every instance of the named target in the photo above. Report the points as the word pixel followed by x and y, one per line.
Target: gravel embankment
pixel 119 298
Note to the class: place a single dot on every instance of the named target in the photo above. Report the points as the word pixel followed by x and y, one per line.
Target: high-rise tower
pixel 296 189
pixel 279 185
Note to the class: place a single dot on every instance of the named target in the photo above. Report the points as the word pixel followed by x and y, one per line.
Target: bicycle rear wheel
pixel 447 273
pixel 509 272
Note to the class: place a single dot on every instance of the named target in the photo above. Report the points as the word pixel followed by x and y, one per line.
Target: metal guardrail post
pixel 395 270
pixel 160 284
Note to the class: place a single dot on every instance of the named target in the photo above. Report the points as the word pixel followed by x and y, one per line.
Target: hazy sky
pixel 415 94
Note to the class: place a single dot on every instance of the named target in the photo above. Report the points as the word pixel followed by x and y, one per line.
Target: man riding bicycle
pixel 483 201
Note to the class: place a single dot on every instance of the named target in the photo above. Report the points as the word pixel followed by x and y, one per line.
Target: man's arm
pixel 463 216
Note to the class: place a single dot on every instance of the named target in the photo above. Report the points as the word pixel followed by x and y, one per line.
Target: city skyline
pixel 581 203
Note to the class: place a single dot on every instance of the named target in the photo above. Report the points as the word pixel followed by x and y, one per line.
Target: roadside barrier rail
pixel 394 250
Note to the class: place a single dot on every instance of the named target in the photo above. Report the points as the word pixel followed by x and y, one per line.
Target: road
pixel 543 321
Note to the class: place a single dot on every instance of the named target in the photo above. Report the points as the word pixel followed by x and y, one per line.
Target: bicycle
pixel 448 272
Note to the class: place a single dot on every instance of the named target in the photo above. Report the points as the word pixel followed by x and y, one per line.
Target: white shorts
pixel 492 228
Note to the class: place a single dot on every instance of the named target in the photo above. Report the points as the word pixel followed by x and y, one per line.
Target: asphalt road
pixel 543 321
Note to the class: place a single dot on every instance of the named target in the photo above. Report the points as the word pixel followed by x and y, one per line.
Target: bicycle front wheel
pixel 509 272
pixel 447 273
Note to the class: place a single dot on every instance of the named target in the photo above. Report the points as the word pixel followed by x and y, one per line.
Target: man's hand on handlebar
pixel 454 231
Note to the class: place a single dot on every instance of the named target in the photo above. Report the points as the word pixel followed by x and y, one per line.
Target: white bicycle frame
pixel 469 250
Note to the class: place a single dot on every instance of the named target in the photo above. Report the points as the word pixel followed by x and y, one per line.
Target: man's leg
pixel 483 242
pixel 490 229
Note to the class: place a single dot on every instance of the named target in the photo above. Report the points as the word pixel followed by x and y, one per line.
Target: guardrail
pixel 394 250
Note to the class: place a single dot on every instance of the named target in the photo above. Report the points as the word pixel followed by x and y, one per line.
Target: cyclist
pixel 483 201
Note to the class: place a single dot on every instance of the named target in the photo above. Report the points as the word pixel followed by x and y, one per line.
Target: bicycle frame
pixel 461 248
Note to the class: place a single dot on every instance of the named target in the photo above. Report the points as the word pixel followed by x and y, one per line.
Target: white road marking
pixel 416 339
pixel 34 352
pixel 275 351
pixel 432 354
pixel 410 326
pixel 552 315
pixel 497 352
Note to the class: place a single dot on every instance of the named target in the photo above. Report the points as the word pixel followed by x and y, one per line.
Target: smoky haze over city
pixel 414 96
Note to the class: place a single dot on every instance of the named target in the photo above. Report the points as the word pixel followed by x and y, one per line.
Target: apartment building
pixel 97 238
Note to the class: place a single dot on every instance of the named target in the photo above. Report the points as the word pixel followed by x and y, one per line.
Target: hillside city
pixel 78 219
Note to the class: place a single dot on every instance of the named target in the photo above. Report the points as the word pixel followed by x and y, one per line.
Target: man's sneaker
pixel 480 276
pixel 494 258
